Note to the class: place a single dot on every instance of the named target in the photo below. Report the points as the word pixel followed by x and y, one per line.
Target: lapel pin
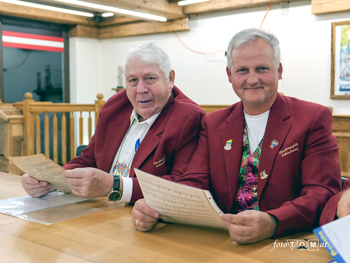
pixel 274 143
pixel 263 175
pixel 228 145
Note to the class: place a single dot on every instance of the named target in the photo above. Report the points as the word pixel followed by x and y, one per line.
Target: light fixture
pixel 107 14
pixel 189 2
pixel 114 10
pixel 46 7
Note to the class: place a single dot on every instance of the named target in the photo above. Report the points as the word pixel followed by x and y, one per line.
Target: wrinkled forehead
pixel 137 66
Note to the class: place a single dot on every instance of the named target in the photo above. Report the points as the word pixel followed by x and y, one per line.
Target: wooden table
pixel 109 236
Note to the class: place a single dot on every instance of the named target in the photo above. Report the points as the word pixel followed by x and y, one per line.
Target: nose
pixel 252 78
pixel 141 87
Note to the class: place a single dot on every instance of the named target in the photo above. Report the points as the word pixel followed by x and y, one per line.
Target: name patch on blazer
pixel 289 150
pixel 160 162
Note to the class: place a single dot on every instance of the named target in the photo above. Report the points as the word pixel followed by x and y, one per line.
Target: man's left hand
pixel 250 226
pixel 89 182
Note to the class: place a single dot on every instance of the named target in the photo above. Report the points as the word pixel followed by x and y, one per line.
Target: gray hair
pixel 149 54
pixel 249 35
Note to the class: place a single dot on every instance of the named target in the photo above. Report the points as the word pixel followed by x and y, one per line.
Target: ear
pixel 280 70
pixel 229 74
pixel 172 77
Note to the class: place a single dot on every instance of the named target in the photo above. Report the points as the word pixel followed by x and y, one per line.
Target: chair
pixel 79 149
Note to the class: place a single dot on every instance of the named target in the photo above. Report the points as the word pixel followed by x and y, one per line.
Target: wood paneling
pixel 329 6
pixel 221 5
pixel 144 28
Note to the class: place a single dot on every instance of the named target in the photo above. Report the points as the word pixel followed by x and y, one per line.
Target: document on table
pixel 43 169
pixel 336 238
pixel 178 203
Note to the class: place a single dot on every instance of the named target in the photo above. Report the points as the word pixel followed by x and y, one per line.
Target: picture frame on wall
pixel 340 64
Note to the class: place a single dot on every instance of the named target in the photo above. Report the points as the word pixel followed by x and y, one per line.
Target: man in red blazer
pixel 270 161
pixel 338 206
pixel 151 125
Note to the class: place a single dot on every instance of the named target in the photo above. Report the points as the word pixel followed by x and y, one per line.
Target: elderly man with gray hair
pixel 150 125
pixel 270 160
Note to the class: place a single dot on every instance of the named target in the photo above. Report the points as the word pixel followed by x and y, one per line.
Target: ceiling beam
pixel 44 15
pixel 329 6
pixel 84 31
pixel 117 21
pixel 221 5
pixel 154 7
pixel 144 28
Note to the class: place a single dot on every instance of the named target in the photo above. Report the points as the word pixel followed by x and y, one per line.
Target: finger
pixel 75 182
pixel 238 219
pixel 141 207
pixel 240 230
pixel 144 226
pixel 26 179
pixel 242 240
pixel 75 173
pixel 40 191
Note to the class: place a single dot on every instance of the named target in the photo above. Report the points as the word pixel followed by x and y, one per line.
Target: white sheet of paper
pixel 180 203
pixel 338 233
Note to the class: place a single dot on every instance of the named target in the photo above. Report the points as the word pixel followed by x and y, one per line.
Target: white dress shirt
pixel 126 152
pixel 256 125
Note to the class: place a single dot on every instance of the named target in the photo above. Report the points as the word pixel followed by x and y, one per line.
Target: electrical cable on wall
pixel 268 9
pixel 223 50
pixel 200 52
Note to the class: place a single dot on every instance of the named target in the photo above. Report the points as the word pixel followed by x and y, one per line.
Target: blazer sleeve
pixel 329 212
pixel 320 178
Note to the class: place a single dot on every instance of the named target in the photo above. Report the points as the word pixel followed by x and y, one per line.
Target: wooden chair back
pixel 64 114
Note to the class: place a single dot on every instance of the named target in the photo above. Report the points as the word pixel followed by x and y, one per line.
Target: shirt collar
pixel 134 117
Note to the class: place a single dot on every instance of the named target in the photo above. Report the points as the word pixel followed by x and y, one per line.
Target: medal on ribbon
pixel 121 169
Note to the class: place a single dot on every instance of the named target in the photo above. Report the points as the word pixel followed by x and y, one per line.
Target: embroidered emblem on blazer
pixel 228 145
pixel 274 143
pixel 263 175
pixel 160 162
pixel 289 150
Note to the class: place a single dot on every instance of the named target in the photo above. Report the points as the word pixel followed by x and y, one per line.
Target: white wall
pixel 305 45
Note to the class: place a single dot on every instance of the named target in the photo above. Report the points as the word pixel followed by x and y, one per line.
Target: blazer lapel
pixel 276 131
pixel 232 130
pixel 152 138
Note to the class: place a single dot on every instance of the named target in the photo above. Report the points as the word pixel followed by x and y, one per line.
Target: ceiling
pixel 122 25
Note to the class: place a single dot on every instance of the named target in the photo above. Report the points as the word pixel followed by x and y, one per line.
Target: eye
pixel 150 80
pixel 262 69
pixel 242 70
pixel 133 81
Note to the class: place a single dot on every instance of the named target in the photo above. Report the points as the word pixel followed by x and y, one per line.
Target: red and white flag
pixel 32 41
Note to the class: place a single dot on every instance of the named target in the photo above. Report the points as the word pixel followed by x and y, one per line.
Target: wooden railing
pixel 342 132
pixel 63 114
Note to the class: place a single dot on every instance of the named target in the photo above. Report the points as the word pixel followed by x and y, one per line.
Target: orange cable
pixel 200 52
pixel 268 9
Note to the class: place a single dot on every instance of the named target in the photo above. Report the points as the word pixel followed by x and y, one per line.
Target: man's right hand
pixel 34 187
pixel 143 216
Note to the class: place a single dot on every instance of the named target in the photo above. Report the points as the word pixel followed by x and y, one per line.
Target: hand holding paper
pixel 43 169
pixel 180 203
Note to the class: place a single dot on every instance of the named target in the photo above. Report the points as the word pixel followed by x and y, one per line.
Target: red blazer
pixel 329 213
pixel 303 170
pixel 166 149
